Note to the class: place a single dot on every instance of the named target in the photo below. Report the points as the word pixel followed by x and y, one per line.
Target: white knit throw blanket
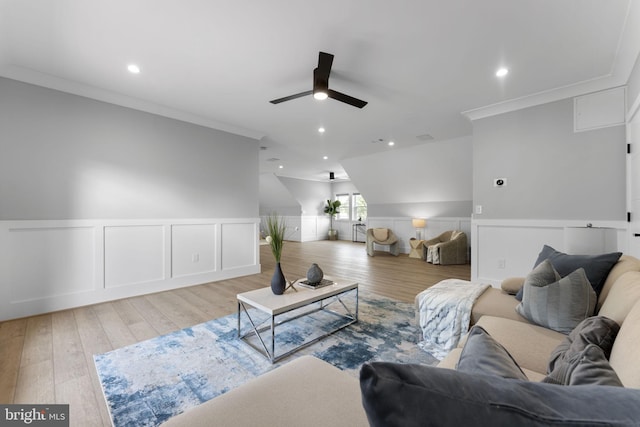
pixel 445 312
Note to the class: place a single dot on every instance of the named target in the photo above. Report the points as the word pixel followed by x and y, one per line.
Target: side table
pixel 416 248
pixel 358 230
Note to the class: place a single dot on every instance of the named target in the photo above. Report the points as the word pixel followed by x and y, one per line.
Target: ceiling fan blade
pixel 290 97
pixel 338 96
pixel 325 61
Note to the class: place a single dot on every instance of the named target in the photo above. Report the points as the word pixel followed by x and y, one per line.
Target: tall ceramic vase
pixel 278 282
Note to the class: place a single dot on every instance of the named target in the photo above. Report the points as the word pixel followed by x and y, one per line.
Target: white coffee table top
pixel 264 299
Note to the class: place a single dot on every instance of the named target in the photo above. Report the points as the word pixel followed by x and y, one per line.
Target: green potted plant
pixel 276 229
pixel 332 210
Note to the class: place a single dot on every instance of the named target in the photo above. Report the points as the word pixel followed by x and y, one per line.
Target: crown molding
pixel 52 82
pixel 627 53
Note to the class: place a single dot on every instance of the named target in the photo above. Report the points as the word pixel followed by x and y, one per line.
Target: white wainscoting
pixel 404 230
pixel 54 265
pixel 302 228
pixel 508 248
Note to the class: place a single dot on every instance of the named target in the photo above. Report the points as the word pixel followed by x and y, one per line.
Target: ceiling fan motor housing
pixel 320 83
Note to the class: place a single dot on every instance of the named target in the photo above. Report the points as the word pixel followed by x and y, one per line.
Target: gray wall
pixel 552 172
pixel 311 195
pixel 428 180
pixel 422 210
pixel 275 197
pixel 67 157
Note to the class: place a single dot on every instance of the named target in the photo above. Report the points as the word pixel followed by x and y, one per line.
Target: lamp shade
pixel 418 222
pixel 590 240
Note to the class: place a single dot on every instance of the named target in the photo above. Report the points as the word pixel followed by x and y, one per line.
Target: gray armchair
pixel 448 248
pixel 382 236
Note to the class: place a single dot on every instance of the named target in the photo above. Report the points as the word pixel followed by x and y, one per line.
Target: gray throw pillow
pixel 542 275
pixel 409 395
pixel 597 267
pixel 482 354
pixel 560 305
pixel 588 367
pixel 598 330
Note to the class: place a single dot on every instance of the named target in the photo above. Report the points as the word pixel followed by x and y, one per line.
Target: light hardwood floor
pixel 49 358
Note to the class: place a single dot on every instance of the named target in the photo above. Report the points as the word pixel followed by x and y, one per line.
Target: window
pixel 359 208
pixel 343 210
pixel 353 207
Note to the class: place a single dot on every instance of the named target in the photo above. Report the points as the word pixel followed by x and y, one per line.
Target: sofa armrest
pixel 495 302
pixel 431 242
pixel 305 391
pixel 512 285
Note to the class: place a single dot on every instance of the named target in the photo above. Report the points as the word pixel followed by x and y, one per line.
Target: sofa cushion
pixel 410 395
pixel 622 296
pixel 598 330
pixel 596 267
pixel 482 354
pixel 587 367
pixel 381 234
pixel 626 348
pixel 530 345
pixel 560 305
pixel 451 360
pixel 625 263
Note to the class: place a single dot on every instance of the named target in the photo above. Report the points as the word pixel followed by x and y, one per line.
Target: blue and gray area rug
pixel 146 383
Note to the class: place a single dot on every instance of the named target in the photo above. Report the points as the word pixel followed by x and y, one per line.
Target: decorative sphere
pixel 314 274
pixel 268 239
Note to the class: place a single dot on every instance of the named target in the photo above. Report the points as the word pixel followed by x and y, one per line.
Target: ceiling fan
pixel 321 85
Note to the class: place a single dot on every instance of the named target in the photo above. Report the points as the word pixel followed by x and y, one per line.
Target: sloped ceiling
pixel 436 172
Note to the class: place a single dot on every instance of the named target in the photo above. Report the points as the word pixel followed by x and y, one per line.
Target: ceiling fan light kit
pixel 321 89
pixel 320 96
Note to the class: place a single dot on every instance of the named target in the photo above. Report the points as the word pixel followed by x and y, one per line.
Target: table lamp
pixel 590 240
pixel 418 224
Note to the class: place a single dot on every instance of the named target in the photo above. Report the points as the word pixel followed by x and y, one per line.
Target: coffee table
pixel 274 306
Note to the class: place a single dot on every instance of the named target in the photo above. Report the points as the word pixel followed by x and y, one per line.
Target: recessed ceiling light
pixel 502 72
pixel 325 157
pixel 280 167
pixel 391 143
pixel 321 129
pixel 133 68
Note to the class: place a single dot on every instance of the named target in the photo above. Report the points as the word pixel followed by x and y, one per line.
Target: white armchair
pixel 382 236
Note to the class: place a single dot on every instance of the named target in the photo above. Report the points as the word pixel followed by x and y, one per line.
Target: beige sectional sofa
pixel 309 392
pixel 530 345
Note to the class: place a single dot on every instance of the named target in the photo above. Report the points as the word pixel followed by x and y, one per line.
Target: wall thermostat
pixel 500 182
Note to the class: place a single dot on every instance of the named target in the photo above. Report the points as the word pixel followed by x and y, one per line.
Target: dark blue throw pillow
pixel 409 395
pixel 596 267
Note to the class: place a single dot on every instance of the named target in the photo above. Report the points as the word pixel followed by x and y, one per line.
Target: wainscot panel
pixel 49 262
pixel 133 254
pixel 193 249
pixel 508 248
pixel 59 264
